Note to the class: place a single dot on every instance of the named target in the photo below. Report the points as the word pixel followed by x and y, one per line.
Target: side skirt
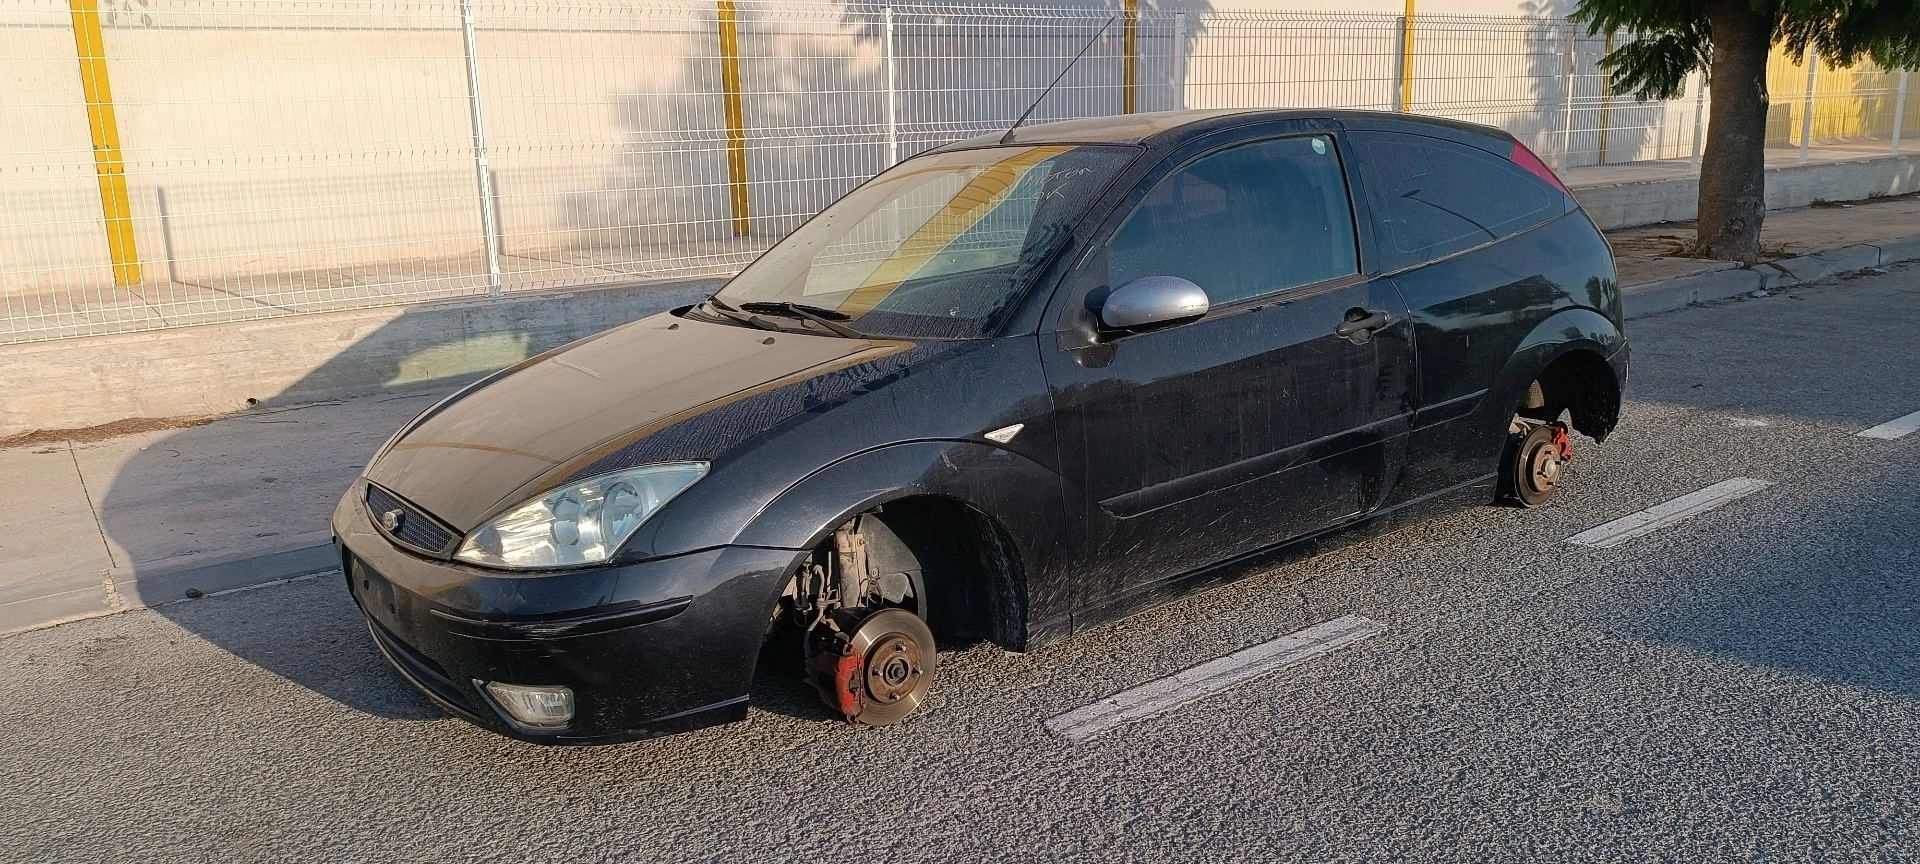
pixel 1381 522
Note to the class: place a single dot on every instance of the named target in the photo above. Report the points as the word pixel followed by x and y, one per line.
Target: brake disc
pixel 897 659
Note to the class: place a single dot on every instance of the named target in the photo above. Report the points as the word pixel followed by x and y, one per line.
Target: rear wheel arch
pixel 1566 362
pixel 1580 383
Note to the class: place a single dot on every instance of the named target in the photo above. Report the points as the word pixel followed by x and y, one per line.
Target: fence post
pixel 736 114
pixel 1566 118
pixel 1406 60
pixel 1806 109
pixel 1900 111
pixel 1606 102
pixel 893 94
pixel 1130 61
pixel 489 220
pixel 1699 108
pixel 1180 61
pixel 115 207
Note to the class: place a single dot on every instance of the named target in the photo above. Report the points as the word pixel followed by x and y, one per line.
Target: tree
pixel 1731 40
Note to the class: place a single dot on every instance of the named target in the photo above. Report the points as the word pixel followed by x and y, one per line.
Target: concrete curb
pixel 166 583
pixel 1629 203
pixel 1729 280
pixel 215 573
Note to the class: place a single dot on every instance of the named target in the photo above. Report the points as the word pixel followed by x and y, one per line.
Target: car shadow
pixel 191 487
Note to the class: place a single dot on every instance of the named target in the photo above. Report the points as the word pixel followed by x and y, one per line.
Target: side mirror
pixel 1152 301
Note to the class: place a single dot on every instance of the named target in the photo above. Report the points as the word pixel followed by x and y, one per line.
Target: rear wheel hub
pixel 1539 463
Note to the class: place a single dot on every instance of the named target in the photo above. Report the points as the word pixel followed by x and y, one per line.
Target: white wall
pixel 287 156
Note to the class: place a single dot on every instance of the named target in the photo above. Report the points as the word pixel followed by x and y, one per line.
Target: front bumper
pixel 649 649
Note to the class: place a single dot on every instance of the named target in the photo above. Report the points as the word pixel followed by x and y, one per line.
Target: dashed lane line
pixel 1899 427
pixel 1213 676
pixel 1659 516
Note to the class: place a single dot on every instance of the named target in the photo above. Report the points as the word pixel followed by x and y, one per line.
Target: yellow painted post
pixel 1406 60
pixel 736 115
pixel 1129 43
pixel 114 205
pixel 1606 104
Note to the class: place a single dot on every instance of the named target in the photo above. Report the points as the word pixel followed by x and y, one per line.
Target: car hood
pixel 566 412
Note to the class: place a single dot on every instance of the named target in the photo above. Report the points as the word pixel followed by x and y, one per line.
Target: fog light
pixel 534 706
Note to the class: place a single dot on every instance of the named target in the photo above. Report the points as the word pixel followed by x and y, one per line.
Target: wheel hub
pixel 893 668
pixel 1538 463
pixel 1546 466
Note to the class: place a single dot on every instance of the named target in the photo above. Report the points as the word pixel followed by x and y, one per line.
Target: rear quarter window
pixel 1431 198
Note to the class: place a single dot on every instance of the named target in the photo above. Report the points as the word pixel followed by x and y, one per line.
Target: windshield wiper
pixel 717 306
pixel 823 317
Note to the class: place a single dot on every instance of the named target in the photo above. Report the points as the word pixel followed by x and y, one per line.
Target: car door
pixel 1257 422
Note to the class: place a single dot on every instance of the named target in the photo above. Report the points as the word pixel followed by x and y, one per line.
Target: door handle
pixel 1360 324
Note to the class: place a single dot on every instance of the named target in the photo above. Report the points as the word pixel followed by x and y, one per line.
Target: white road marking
pixel 1898 427
pixel 1660 516
pixel 1211 677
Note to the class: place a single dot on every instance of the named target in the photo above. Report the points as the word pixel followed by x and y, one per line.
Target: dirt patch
pixel 104 431
pixel 1677 240
pixel 1824 204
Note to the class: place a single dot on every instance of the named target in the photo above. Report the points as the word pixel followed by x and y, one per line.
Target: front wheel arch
pixel 1011 507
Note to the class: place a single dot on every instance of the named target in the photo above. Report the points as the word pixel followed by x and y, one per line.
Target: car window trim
pixel 1282 297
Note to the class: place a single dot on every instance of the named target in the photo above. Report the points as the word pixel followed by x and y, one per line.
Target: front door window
pixel 1245 222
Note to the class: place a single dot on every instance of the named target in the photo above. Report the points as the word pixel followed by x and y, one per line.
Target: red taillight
pixel 1524 158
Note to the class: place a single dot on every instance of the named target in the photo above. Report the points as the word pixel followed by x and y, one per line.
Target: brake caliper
pixel 835 670
pixel 1561 442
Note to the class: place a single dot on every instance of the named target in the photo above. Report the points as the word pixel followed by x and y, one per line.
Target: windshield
pixel 933 248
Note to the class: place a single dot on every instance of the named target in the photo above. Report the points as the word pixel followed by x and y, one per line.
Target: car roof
pixel 1170 128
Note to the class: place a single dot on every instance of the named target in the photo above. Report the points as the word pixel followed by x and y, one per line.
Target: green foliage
pixel 1673 38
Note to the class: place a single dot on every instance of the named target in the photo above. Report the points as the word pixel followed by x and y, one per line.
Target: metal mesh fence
pixel 174 162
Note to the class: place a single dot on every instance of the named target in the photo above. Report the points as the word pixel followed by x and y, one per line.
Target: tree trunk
pixel 1733 167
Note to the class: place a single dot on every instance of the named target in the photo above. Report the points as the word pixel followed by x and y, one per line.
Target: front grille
pixel 416 529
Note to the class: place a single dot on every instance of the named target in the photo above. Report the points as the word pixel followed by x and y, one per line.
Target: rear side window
pixel 1243 222
pixel 1432 198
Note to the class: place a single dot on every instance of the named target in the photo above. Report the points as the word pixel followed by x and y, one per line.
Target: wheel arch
pixel 1575 361
pixel 1007 507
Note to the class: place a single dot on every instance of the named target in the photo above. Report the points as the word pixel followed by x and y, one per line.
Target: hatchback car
pixel 1007 390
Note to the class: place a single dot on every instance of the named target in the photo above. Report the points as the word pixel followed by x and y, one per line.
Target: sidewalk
pixel 99 524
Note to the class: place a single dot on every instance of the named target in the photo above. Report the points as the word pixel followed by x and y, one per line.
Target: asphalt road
pixel 1742 685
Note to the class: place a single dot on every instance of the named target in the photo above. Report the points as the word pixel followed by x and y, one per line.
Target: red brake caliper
pixel 837 675
pixel 1562 442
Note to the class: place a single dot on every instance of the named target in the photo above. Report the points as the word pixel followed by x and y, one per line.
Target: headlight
pixel 580 523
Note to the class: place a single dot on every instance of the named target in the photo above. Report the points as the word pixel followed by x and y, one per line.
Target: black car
pixel 1007 390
